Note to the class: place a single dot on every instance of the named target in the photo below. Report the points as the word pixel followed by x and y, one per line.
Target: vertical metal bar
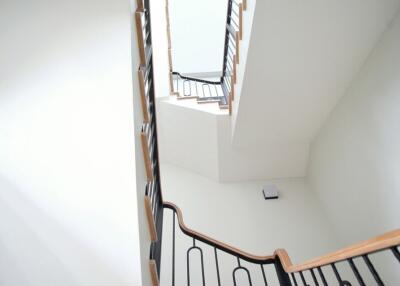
pixel 202 267
pixel 216 263
pixel 294 279
pixel 322 276
pixel 283 277
pixel 197 92
pixel 314 277
pixel 187 266
pixel 228 17
pixel 263 273
pixel 173 249
pixel 188 262
pixel 339 279
pixel 356 272
pixel 216 90
pixel 239 268
pixel 373 270
pixel 302 278
pixel 396 253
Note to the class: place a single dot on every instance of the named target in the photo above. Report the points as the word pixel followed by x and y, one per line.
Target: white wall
pixel 260 161
pixel 297 70
pixel 197 137
pixel 68 202
pixel 355 159
pixel 198 34
pixel 237 214
pixel 160 47
pixel 188 137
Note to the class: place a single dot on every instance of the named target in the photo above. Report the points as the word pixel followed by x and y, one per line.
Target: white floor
pixel 238 215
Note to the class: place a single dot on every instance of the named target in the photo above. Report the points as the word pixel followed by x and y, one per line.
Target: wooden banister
pixel 146 155
pixel 150 219
pixel 240 21
pixel 234 70
pixel 140 37
pixel 140 6
pixel 233 87
pixel 230 102
pixel 237 46
pixel 153 273
pixel 375 244
pixel 143 100
pixel 215 242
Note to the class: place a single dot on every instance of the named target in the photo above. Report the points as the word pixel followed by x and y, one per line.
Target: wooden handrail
pixel 146 155
pixel 153 273
pixel 387 240
pixel 140 37
pixel 150 219
pixel 143 100
pixel 216 243
pixel 240 21
pixel 237 46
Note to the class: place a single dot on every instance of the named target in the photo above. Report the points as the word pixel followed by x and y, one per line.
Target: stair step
pixel 208 101
pixel 187 97
pixel 224 106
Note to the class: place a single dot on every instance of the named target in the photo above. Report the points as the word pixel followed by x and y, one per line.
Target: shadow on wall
pixel 38 250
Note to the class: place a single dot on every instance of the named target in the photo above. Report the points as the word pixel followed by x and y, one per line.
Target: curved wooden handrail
pixel 387 240
pixel 218 244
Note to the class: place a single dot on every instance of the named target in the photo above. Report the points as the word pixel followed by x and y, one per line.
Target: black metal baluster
pixel 216 263
pixel 321 274
pixel 188 262
pixel 216 90
pixel 396 253
pixel 188 267
pixel 283 277
pixel 314 277
pixel 356 272
pixel 202 88
pixel 294 279
pixel 339 279
pixel 197 92
pixel 263 273
pixel 238 268
pixel 303 279
pixel 173 248
pixel 373 270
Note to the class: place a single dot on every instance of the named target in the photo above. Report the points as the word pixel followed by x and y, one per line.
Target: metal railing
pixel 202 89
pixel 249 265
pixel 221 90
pixel 349 267
pixel 153 197
pixel 233 35
pixel 328 270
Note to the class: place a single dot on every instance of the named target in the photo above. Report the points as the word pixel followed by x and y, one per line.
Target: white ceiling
pixel 302 57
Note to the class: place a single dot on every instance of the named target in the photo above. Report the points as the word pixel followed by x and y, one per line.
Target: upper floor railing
pixel 221 90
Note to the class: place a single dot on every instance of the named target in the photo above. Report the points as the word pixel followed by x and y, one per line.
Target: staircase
pixel 221 90
pixel 353 265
